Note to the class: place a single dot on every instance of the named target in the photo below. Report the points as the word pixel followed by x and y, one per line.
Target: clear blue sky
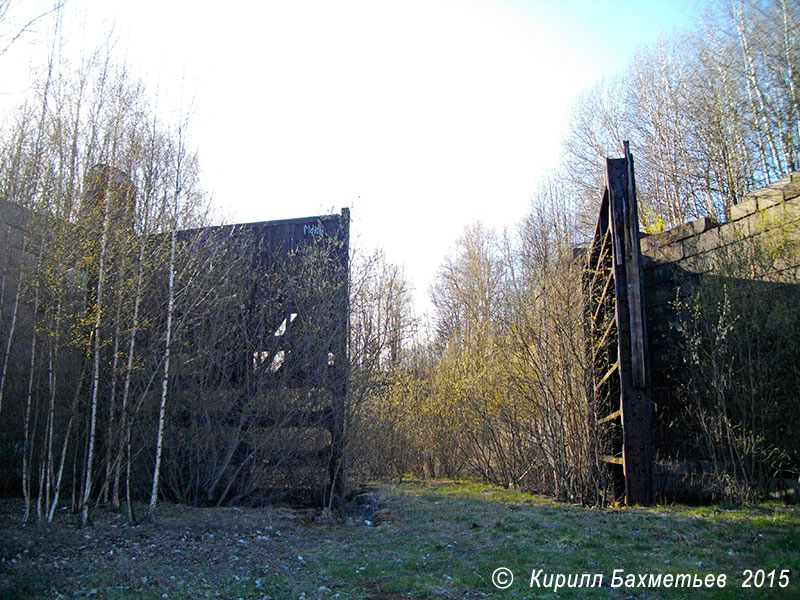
pixel 420 115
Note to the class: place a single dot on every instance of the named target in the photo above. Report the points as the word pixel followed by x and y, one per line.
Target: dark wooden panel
pixel 617 336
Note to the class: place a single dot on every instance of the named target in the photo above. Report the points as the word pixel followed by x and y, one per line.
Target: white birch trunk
pixel 9 342
pixel 64 447
pixel 27 435
pixel 87 485
pixel 112 400
pixel 124 421
pixel 165 379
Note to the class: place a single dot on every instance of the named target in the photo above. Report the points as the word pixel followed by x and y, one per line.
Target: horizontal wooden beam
pixel 600 304
pixel 608 329
pixel 614 415
pixel 608 374
pixel 596 265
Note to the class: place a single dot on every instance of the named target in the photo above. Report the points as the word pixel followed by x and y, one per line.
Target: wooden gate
pixel 287 382
pixel 617 337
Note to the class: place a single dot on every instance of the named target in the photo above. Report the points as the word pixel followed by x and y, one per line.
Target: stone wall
pixel 760 242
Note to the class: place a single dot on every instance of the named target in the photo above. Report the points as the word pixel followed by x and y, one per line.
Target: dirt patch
pixel 180 552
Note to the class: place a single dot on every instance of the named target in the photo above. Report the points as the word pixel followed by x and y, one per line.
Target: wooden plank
pixel 614 177
pixel 608 418
pixel 597 266
pixel 608 374
pixel 640 437
pixel 634 397
pixel 606 287
pixel 634 275
pixel 611 256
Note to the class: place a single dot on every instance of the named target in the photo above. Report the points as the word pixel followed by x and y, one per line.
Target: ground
pixel 426 539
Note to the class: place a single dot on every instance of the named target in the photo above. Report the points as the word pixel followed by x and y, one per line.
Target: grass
pixel 429 539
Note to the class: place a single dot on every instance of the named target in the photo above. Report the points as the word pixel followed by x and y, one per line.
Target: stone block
pixel 737 231
pixel 788 275
pixel 783 269
pixel 777 215
pixel 648 262
pixel 708 241
pixel 646 242
pixel 791 191
pixel 661 249
pixel 770 201
pixel 687 230
pixel 692 265
pixel 791 209
pixel 746 207
pixel 659 273
pixel 662 294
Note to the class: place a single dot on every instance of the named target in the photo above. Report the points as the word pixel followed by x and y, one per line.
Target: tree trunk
pixel 87 485
pixel 9 342
pixel 165 379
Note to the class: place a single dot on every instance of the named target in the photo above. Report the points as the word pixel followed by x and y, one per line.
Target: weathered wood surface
pixel 620 375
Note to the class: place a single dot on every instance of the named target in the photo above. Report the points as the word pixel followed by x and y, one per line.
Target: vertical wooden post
pixel 635 411
pixel 341 366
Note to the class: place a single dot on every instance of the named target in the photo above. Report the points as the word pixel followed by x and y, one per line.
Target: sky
pixel 420 116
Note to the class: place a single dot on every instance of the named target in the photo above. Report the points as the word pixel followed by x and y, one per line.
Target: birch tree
pixel 162 410
pixel 98 309
pixel 89 371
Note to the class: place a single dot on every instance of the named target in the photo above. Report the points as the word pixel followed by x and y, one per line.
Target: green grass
pixel 432 539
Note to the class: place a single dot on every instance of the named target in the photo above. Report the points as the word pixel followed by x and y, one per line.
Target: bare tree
pixel 98 309
pixel 179 158
pixel 712 112
pixel 13 27
pixel 88 260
